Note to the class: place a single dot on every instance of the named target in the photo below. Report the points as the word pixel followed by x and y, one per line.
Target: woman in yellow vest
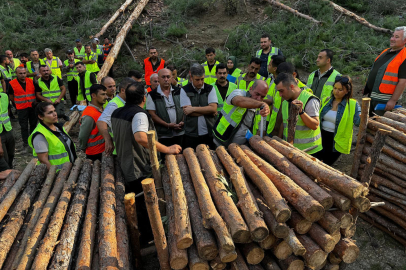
pixel 49 140
pixel 338 114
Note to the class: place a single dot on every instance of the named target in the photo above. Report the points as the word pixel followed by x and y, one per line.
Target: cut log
pixel 340 182
pixel 392 123
pixel 203 238
pixel 289 169
pixel 268 242
pixel 239 263
pixel 292 263
pixel 217 264
pixel 389 141
pixel 15 190
pixel 395 134
pixel 49 241
pixel 62 257
pixel 330 266
pixel 253 253
pixel 334 259
pixel 390 177
pixel 336 236
pixel 246 201
pixel 361 203
pixel 299 223
pixel 255 267
pixel 107 216
pixel 394 209
pixel 217 163
pixel 345 218
pixel 8 183
pixel 374 153
pixel 387 169
pixel 273 198
pixel 17 217
pixel 346 250
pixel 294 110
pixel 340 201
pixel 42 223
pixel 314 255
pixel 73 119
pixel 377 181
pixel 389 225
pixel 387 196
pixel 123 242
pixel 349 232
pixel 322 238
pixel 132 224
pixel 282 250
pixel 195 262
pixel 269 263
pixel 211 218
pixel 308 207
pixel 389 150
pixel 183 230
pixel 236 224
pixel 95 258
pixel 330 223
pixel 178 258
pixel 36 211
pixel 297 248
pixel 87 244
pixel 151 201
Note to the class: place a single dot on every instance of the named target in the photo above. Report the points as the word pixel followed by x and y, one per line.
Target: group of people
pixel 217 104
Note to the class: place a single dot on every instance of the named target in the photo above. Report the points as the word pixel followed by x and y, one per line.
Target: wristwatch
pixel 302 112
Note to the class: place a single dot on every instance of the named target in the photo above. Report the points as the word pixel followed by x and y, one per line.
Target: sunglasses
pixel 343 80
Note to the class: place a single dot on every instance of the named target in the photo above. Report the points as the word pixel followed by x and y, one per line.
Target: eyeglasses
pixel 343 80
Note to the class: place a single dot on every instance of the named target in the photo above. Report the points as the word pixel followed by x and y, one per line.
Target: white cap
pixel 96 39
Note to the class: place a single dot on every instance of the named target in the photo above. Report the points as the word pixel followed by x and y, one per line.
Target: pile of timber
pixel 71 219
pixel 383 167
pixel 267 206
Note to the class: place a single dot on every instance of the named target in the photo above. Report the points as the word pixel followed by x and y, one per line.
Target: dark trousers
pixel 73 90
pixel 8 144
pixel 94 157
pixel 193 142
pixel 327 155
pixel 25 117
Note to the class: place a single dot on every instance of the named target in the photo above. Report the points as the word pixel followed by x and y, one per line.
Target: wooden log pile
pixel 383 169
pixel 267 206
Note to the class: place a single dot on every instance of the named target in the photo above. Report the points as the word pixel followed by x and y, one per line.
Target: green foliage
pixel 176 30
pixel 189 7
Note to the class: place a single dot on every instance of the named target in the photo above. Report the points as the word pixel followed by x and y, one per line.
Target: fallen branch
pixel 294 11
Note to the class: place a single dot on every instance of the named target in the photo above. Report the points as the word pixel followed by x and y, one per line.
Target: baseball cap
pixel 69 51
pixel 96 39
pixel 77 40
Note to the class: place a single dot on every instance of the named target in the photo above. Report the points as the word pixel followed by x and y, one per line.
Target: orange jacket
pixel 95 143
pixel 149 70
pixel 23 99
pixel 390 78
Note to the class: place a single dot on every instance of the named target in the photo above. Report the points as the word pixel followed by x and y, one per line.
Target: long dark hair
pixel 346 82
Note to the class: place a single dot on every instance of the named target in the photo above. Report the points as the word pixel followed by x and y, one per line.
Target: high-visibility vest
pixel 23 99
pixel 30 67
pixel 53 92
pixel 91 67
pixel 236 73
pixel 57 150
pixel 106 51
pixel 343 137
pixel 88 84
pixel 119 104
pixel 72 73
pixel 54 67
pixel 229 121
pixel 4 119
pixel 6 72
pixel 149 69
pixel 328 86
pixel 95 142
pixel 17 63
pixel 182 81
pixel 304 136
pixel 231 88
pixel 210 76
pixel 388 74
pixel 80 53
pixel 274 51
pixel 242 84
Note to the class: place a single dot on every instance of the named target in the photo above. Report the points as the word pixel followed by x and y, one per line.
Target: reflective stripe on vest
pixel 242 84
pixel 71 73
pixel 87 85
pixel 231 88
pixel 210 76
pixel 81 53
pixel 304 136
pixel 95 142
pixel 91 67
pixel 274 51
pixel 149 69
pixel 4 119
pixel 390 78
pixel 54 67
pixel 53 92
pixel 328 86
pixel 6 72
pixel 23 99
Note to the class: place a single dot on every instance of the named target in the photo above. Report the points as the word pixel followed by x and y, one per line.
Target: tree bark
pixel 73 119
pixel 292 263
pixel 282 250
pixel 308 207
pixel 132 224
pixel 340 201
pixel 297 248
pixel 269 263
pixel 389 150
pixel 398 117
pixel 195 262
pixel 49 241
pixel 252 253
pixel 294 11
pixel 397 135
pixel 330 223
pixel 15 190
pixel 387 196
pixel 389 225
pixel 239 263
pixel 387 169
pixel 392 123
pixel 389 141
pixel 346 250
pixel 380 181
pixel 151 200
pixel 273 198
pixel 8 183
pixel 336 236
pixel 42 223
pixel 349 232
pixel 246 201
pixel 183 229
pixel 268 242
pixel 314 255
pixel 340 182
pixel 229 211
pixel 390 177
pixel 322 238
pixel 289 169
pixel 87 244
pixel 394 209
pixel 361 136
pixel 203 238
pixel 178 258
pixel 17 217
pixel 345 218
pixel 292 120
pixel 62 257
pixel 211 218
pixel 299 223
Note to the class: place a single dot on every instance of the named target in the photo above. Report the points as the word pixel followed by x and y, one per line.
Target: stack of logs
pixel 55 220
pixel 267 206
pixel 388 181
